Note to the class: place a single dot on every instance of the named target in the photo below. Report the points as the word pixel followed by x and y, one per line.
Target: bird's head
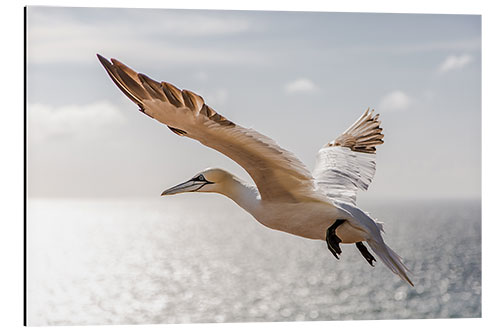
pixel 209 180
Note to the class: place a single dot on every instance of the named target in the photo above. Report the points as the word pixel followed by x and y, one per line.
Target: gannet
pixel 286 196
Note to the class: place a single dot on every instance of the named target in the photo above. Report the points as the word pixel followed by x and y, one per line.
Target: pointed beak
pixel 189 186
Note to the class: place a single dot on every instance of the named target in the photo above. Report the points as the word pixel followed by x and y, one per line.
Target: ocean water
pixel 200 258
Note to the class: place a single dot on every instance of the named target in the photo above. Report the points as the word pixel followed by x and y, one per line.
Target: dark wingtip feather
pixel 100 57
pixel 104 62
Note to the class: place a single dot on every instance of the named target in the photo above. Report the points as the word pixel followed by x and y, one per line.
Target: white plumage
pixel 286 196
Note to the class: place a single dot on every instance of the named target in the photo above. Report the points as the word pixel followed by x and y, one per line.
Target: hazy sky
pixel 300 78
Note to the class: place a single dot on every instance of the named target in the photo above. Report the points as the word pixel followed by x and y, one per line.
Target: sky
pixel 300 78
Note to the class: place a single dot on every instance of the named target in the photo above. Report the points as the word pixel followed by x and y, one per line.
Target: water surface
pixel 190 259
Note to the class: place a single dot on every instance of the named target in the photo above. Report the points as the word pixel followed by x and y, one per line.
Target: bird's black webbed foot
pixel 364 251
pixel 332 240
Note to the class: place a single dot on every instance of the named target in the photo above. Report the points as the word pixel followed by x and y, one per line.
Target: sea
pixel 202 259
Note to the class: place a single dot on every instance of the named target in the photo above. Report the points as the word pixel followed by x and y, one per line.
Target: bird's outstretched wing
pixel 348 163
pixel 278 174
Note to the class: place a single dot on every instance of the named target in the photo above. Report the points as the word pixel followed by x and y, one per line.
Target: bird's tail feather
pixel 390 258
pixel 374 228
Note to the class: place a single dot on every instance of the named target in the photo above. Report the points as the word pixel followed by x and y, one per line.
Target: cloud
pixel 216 97
pixel 301 85
pixel 457 45
pixel 176 37
pixel 118 21
pixel 455 62
pixel 412 48
pixel 46 122
pixel 394 101
pixel 201 76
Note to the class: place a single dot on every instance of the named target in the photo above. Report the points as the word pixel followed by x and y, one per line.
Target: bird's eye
pixel 200 177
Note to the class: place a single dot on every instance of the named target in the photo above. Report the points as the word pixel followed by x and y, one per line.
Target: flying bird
pixel 286 196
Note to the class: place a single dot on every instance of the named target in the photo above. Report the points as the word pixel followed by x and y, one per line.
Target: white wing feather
pixel 348 163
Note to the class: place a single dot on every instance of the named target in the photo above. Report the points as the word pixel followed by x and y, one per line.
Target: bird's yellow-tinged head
pixel 209 180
